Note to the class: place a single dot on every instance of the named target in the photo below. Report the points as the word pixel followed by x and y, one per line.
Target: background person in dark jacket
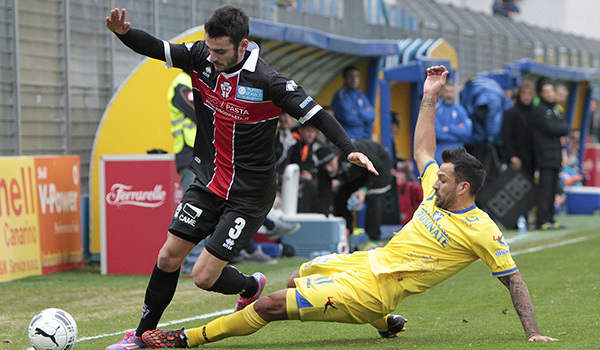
pixel 517 135
pixel 355 182
pixel 549 124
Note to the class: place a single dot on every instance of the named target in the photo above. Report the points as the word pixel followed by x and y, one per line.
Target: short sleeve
pixel 491 247
pixel 429 177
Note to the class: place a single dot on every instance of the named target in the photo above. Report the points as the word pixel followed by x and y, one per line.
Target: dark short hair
pixel 539 84
pixel 348 69
pixel 466 167
pixel 230 21
pixel 325 155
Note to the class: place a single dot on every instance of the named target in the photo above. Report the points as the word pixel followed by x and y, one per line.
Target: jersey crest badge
pixel 225 89
pixel 290 85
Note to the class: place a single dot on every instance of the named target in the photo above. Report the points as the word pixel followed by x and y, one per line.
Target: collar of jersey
pixel 464 210
pixel 251 62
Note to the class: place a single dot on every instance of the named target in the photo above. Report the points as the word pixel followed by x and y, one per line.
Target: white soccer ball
pixel 52 329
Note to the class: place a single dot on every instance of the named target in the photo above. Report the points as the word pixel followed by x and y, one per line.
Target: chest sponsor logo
pixel 121 194
pixel 430 225
pixel 227 109
pixel 249 93
pixel 437 216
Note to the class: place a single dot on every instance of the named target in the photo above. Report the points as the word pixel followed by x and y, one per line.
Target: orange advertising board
pixel 59 213
pixel 39 216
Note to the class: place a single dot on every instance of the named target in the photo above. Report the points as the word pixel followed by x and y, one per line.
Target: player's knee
pixel 290 281
pixel 272 307
pixel 168 262
pixel 203 281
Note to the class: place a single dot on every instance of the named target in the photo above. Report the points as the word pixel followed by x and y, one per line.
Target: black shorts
pixel 232 225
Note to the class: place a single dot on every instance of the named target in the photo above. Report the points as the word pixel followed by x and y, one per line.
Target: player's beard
pixel 445 201
pixel 223 67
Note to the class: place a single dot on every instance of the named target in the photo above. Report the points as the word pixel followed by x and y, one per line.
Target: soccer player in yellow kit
pixel 447 233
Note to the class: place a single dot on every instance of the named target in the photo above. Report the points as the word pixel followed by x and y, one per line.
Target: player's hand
pixel 116 21
pixel 515 163
pixel 363 161
pixel 436 78
pixel 539 337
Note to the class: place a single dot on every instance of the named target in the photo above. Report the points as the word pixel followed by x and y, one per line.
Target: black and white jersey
pixel 237 117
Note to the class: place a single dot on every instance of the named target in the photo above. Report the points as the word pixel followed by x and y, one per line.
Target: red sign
pixel 139 194
pixel 591 165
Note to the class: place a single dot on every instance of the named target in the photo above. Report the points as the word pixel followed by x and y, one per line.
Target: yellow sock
pixel 239 323
pixel 380 324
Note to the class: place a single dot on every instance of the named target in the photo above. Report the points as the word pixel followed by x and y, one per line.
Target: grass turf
pixel 470 310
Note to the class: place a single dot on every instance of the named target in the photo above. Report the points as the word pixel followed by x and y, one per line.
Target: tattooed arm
pixel 424 142
pixel 524 307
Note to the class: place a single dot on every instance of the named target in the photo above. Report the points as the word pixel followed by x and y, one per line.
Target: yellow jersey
pixel 438 243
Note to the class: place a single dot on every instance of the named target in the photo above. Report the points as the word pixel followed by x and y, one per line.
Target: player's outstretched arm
pixel 135 39
pixel 424 144
pixel 524 307
pixel 116 23
pixel 332 129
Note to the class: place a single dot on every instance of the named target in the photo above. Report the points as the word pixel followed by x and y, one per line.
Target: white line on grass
pixel 183 320
pixel 225 312
pixel 550 245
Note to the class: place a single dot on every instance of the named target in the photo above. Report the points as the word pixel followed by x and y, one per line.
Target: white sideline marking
pixel 225 312
pixel 550 245
pixel 183 320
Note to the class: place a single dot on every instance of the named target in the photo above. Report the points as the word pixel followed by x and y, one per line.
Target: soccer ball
pixel 52 329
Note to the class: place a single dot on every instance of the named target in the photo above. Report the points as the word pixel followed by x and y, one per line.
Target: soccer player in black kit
pixel 238 99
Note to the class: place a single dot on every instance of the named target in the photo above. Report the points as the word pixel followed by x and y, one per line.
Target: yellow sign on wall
pixel 20 243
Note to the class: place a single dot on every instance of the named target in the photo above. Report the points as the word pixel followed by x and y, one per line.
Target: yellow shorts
pixel 336 288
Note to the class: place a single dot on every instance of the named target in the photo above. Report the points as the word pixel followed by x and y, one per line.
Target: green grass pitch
pixel 471 310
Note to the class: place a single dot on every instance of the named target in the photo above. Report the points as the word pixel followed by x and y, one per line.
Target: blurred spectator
pixel 452 125
pixel 327 184
pixel 410 192
pixel 570 174
pixel 395 127
pixel 352 108
pixel 485 102
pixel 301 153
pixel 517 136
pixel 183 126
pixel 505 8
pixel 562 94
pixel 287 4
pixel 549 125
pixel 284 140
pixel 594 128
pixel 360 184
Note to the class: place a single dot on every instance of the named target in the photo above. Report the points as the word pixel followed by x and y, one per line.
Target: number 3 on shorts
pixel 236 231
